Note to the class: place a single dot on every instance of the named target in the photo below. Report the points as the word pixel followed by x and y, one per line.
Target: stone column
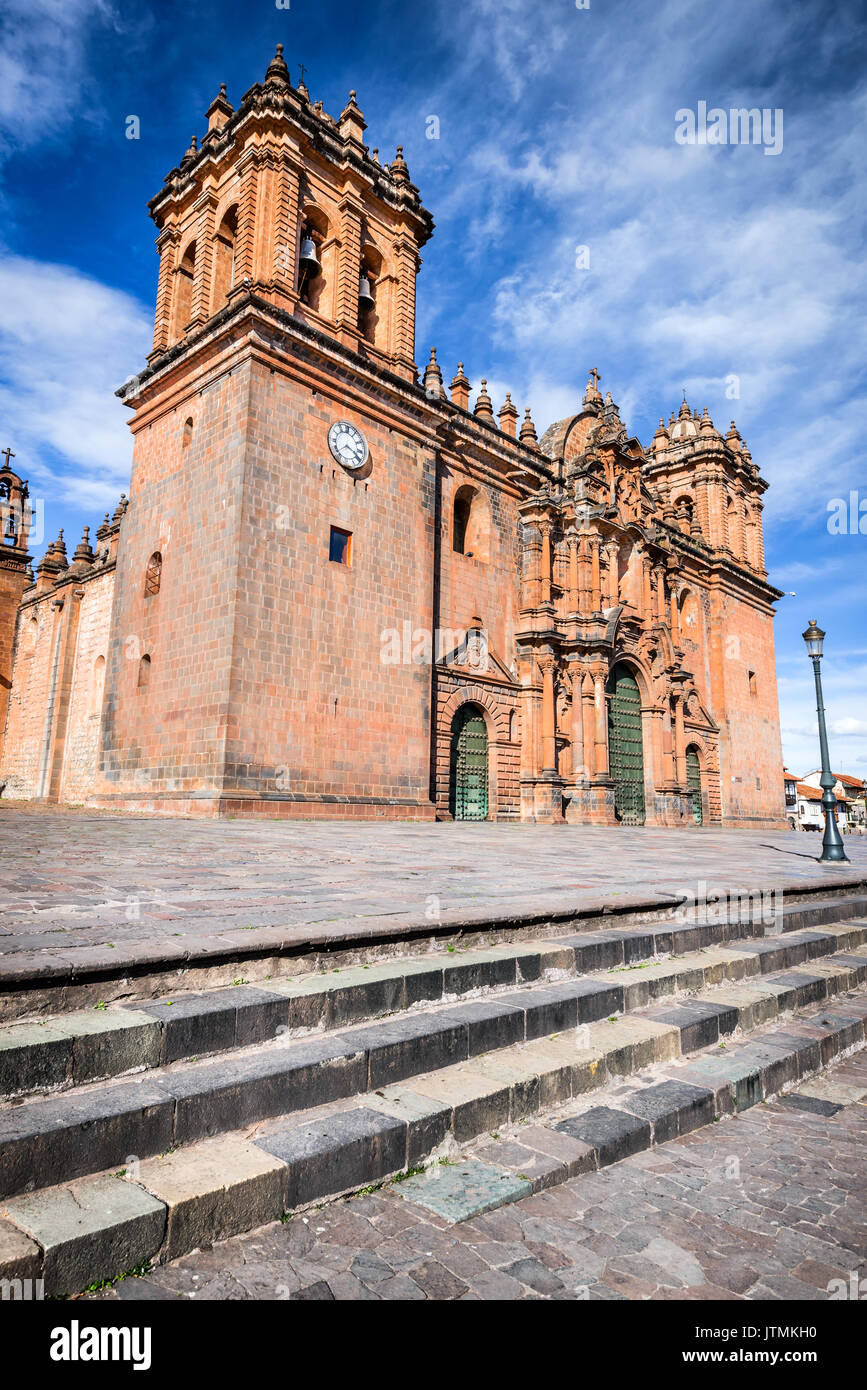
pixel 679 740
pixel 203 270
pixel 667 745
pixel 549 747
pixel 406 261
pixel 612 550
pixel 245 241
pixel 595 593
pixel 588 722
pixel 601 727
pixel 284 259
pixel 578 758
pixel 167 245
pixel 659 594
pixel 546 562
pixel 675 616
pixel 348 271
pixel 573 573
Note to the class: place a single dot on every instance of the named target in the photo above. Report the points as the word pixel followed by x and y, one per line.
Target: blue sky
pixel 556 131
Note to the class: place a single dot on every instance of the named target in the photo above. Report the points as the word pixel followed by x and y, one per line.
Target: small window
pixel 153 574
pixel 98 685
pixel 340 547
pixel 188 432
pixel 751 675
pixel 462 520
pixel 144 673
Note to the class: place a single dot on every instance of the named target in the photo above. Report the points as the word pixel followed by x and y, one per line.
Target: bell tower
pixel 282 483
pixel 287 202
pixel 15 518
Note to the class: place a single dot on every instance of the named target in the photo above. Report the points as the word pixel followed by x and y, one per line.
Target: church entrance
pixel 468 775
pixel 625 753
pixel 693 781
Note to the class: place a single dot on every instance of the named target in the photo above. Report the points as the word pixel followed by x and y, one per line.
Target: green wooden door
pixel 625 753
pixel 693 781
pixel 468 785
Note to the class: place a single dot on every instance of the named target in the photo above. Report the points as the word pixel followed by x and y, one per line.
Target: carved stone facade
pixel 470 623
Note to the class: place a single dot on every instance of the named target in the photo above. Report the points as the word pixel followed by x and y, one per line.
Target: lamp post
pixel 832 842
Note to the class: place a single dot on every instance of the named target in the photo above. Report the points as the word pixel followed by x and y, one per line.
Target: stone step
pixel 73 1049
pixel 48 984
pixel 98 1125
pixel 536 1113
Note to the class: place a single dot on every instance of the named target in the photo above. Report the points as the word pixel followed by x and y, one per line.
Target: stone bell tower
pixel 262 556
pixel 14 569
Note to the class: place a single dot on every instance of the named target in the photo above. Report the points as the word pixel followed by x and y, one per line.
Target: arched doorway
pixel 693 781
pixel 468 772
pixel 625 752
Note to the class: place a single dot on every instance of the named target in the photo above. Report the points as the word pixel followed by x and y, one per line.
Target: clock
pixel 348 445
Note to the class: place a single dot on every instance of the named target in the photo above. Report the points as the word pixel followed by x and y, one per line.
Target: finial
pixel 528 429
pixel 433 377
pixel 375 154
pixel 222 89
pixel 277 71
pixel 399 170
pixel 483 405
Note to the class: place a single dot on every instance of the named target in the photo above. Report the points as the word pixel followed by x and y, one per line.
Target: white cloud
pixel 66 343
pixel 43 66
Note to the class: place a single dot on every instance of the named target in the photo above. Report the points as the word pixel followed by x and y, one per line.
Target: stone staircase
pixel 137 1131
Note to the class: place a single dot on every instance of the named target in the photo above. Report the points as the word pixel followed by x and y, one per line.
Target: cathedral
pixel 343 587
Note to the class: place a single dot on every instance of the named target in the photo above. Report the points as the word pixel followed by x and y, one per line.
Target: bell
pixel 309 261
pixel 365 298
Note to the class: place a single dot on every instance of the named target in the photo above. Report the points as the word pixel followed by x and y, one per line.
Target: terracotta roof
pixel 809 793
pixel 843 777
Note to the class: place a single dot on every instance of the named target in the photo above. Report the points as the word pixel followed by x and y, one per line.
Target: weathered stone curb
pixel 69 1050
pixel 42 982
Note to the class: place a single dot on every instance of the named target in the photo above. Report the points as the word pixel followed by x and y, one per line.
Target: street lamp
pixel 832 842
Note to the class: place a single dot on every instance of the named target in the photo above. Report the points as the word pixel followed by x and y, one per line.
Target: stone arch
pixel 373 323
pixel 496 716
pixel 97 687
pixel 471 522
pixel 182 307
pixel 684 507
pixel 225 243
pixel 317 291
pixel 689 613
pixel 627 739
pixel 469 783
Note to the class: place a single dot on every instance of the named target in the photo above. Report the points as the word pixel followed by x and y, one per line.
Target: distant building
pixel 850 794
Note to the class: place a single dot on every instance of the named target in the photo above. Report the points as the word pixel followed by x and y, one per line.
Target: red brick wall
pixel 186 502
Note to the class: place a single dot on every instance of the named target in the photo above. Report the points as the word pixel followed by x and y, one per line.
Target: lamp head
pixel 814 637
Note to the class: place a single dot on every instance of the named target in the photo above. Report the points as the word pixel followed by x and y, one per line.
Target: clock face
pixel 347 444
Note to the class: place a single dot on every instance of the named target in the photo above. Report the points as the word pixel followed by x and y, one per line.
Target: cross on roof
pixel 303 70
pixel 7 455
pixel 594 372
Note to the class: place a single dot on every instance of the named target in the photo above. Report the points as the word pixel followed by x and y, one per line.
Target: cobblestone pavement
pixel 78 880
pixel 771 1204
